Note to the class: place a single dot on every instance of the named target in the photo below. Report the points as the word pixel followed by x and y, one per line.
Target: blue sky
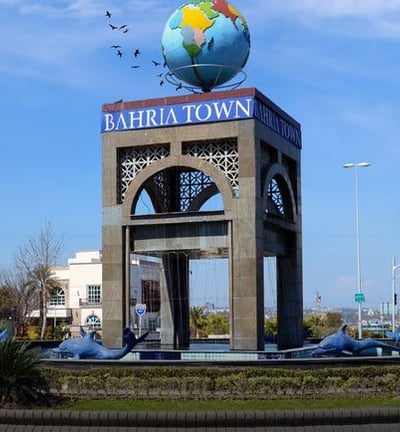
pixel 334 66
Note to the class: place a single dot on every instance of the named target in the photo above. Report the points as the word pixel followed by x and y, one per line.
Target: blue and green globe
pixel 205 43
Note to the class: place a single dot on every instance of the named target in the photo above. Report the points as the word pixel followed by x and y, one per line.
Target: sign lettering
pixel 200 112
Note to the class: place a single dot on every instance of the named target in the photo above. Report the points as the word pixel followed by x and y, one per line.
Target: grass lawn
pixel 200 405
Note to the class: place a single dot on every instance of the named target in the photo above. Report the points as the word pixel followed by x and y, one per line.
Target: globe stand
pixel 172 77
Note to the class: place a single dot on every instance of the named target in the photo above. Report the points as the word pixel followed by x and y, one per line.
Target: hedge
pixel 218 383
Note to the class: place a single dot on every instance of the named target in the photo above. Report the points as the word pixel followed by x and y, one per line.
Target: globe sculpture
pixel 205 44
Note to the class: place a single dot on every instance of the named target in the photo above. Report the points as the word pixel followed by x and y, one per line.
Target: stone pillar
pixel 247 291
pixel 176 329
pixel 167 322
pixel 113 295
pixel 289 301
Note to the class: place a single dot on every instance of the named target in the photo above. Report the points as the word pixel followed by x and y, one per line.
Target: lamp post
pixel 360 297
pixel 394 294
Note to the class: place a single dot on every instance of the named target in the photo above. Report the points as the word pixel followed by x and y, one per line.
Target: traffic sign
pixel 140 309
pixel 359 298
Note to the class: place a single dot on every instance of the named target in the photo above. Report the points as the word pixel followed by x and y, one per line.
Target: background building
pixel 78 300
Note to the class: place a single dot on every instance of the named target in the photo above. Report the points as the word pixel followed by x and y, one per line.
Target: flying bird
pixel 119 53
pixel 135 66
pixel 122 27
pixel 155 63
pixel 125 30
pixel 113 27
pixel 160 75
pixel 179 86
pixel 136 52
pixel 161 82
pixel 108 14
pixel 115 46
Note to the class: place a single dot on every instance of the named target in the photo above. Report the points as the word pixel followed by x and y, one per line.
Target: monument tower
pixel 183 150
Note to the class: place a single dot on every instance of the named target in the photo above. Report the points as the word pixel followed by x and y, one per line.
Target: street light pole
pixel 356 166
pixel 394 294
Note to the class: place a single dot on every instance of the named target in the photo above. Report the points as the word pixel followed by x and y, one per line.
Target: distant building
pixel 78 300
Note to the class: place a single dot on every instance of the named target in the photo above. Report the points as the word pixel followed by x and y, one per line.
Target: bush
pixel 22 382
pixel 214 382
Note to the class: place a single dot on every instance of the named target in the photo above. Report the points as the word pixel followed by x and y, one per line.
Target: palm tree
pixel 22 382
pixel 197 319
pixel 43 282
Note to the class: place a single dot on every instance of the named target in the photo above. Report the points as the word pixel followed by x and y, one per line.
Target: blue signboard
pixel 359 298
pixel 140 309
pixel 178 114
pixel 217 110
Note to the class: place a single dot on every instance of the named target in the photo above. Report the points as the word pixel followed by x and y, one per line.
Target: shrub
pixel 22 382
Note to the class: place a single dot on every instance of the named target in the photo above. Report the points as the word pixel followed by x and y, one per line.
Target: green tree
pixel 321 325
pixel 217 324
pixel 271 326
pixel 314 324
pixel 22 382
pixel 197 319
pixel 333 320
pixel 8 301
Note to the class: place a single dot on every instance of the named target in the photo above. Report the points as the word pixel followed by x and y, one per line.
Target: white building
pixel 78 302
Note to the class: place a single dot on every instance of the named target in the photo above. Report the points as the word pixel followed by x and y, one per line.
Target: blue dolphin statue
pixel 4 335
pixel 87 348
pixel 394 335
pixel 339 344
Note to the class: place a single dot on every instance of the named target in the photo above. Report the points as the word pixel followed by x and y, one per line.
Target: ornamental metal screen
pixel 222 153
pixel 132 160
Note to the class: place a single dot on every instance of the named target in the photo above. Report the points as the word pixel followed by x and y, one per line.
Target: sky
pixel 333 66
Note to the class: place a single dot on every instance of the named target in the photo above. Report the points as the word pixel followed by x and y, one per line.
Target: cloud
pixel 349 18
pixel 336 8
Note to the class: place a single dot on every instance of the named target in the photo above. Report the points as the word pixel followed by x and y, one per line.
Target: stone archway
pixel 251 156
pixel 177 188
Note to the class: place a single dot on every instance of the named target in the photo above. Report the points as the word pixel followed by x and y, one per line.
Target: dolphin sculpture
pixel 394 335
pixel 339 344
pixel 4 335
pixel 87 348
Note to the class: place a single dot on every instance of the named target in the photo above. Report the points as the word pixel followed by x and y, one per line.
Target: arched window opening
pixel 279 202
pixel 93 321
pixel 177 190
pixel 58 298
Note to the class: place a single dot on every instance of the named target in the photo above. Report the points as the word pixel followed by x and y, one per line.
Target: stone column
pixel 289 300
pixel 176 311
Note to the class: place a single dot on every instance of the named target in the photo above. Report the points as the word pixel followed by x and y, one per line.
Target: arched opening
pixel 93 321
pixel 177 189
pixel 278 198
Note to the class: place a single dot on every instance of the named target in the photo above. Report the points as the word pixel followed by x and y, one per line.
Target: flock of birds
pixel 118 50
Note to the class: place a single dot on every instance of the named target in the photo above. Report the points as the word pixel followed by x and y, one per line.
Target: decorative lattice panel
pixel 176 189
pixel 132 160
pixel 192 183
pixel 222 153
pixel 163 187
pixel 275 203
